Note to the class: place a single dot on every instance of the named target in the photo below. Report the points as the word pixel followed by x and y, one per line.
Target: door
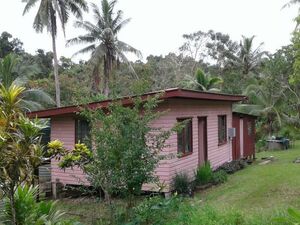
pixel 236 150
pixel 202 140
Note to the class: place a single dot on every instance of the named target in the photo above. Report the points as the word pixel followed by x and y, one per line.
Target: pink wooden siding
pixel 217 155
pixel 63 129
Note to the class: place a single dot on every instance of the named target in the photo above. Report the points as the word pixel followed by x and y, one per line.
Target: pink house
pixel 205 137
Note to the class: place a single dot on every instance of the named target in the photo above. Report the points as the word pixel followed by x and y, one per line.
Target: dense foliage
pixel 31 212
pixel 206 61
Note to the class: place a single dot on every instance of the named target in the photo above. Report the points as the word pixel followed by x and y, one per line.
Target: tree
pixel 20 149
pixel 246 59
pixel 48 12
pixel 12 72
pixel 265 101
pixel 103 42
pixel 126 149
pixel 219 46
pixel 195 47
pixel 204 82
pixel 8 46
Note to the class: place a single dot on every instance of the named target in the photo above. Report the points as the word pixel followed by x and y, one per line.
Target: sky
pixel 157 26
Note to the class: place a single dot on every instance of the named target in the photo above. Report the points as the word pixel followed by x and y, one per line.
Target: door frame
pixel 203 118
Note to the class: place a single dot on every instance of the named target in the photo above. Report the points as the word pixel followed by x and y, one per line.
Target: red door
pixel 236 151
pixel 249 136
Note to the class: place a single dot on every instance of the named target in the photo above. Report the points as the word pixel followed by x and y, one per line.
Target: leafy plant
pixel 181 183
pixel 233 166
pixel 30 212
pixel 154 210
pixel 293 217
pixel 219 177
pixel 204 174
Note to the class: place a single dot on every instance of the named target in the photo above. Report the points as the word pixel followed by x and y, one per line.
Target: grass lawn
pixel 257 190
pixel 260 188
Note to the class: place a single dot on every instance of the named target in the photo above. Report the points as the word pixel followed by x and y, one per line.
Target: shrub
pixel 204 174
pixel 155 210
pixel 219 177
pixel 233 166
pixel 181 183
pixel 30 212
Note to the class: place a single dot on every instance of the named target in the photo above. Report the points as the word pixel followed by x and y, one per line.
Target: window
pixel 250 128
pixel 184 138
pixel 222 129
pixel 82 131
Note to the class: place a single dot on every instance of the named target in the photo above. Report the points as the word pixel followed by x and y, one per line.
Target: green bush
pixel 204 174
pixel 30 212
pixel 219 177
pixel 181 183
pixel 233 166
pixel 155 210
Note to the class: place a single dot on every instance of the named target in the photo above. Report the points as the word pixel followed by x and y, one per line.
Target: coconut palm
pixel 247 58
pixel 102 41
pixel 48 13
pixel 11 73
pixel 267 103
pixel 204 82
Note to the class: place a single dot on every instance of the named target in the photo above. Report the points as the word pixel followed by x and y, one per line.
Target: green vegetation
pixel 219 177
pixel 126 148
pixel 30 212
pixel 207 61
pixel 102 41
pixel 257 194
pixel 260 188
pixel 204 174
pixel 181 183
pixel 48 14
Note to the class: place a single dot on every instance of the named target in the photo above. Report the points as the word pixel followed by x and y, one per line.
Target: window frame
pixel 77 138
pixel 183 152
pixel 224 140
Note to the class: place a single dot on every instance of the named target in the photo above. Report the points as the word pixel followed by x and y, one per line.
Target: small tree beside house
pixel 125 148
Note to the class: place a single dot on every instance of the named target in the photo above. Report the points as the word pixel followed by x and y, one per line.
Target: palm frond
pixel 88 49
pixel 42 17
pixel 122 46
pixel 85 39
pixel 38 95
pixel 29 5
pixel 88 26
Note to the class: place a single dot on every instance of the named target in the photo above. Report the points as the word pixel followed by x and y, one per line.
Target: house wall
pixel 63 129
pixel 217 155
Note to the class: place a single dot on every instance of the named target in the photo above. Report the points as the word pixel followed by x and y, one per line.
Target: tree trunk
pixel 96 80
pixel 107 73
pixel 12 205
pixel 55 66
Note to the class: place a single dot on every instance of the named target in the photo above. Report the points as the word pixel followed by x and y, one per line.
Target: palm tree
pixel 102 41
pixel 13 74
pixel 247 58
pixel 48 12
pixel 267 103
pixel 204 82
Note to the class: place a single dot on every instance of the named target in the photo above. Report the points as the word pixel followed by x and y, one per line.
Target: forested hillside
pixel 206 60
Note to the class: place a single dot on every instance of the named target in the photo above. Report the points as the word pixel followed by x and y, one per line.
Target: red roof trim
pixel 166 94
